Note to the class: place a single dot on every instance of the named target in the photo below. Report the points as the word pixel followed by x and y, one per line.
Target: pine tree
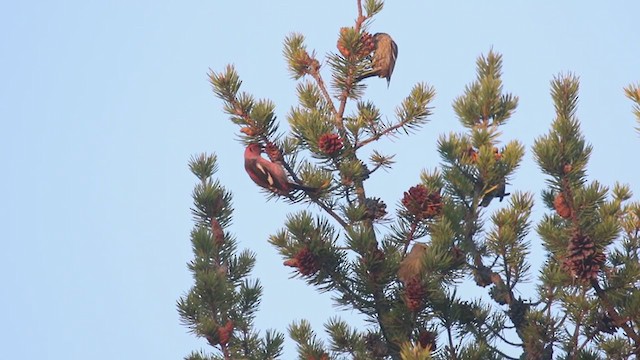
pixel 221 305
pixel 461 224
pixel 592 272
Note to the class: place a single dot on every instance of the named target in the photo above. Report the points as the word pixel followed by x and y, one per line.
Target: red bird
pixel 267 174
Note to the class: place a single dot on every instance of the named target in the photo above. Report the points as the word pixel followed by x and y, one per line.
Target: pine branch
pixel 613 313
pixel 633 93
pixel 411 114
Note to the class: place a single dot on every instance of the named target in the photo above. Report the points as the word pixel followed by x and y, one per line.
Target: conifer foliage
pixel 221 305
pixel 460 227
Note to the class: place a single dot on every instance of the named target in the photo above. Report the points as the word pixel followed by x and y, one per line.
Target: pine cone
pixel 323 356
pixel 414 295
pixel 376 209
pixel 305 261
pixel 376 346
pixel 427 339
pixel 421 203
pixel 273 152
pixel 414 198
pixel 367 45
pixel 561 206
pixel 330 144
pixel 500 293
pixel 583 260
pixel 225 332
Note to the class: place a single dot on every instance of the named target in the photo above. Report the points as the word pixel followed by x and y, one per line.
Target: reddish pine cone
pixel 421 203
pixel 583 260
pixel 324 356
pixel 367 45
pixel 225 332
pixel 330 144
pixel 217 232
pixel 274 154
pixel 414 295
pixel 561 206
pixel 427 339
pixel 305 261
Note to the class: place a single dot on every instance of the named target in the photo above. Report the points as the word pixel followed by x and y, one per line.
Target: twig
pixel 412 231
pixel 382 133
pixel 619 321
pixel 576 332
pixel 318 78
pixel 452 351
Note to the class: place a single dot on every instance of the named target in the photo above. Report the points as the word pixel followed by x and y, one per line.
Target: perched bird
pixel 412 264
pixel 497 191
pixel 384 58
pixel 267 174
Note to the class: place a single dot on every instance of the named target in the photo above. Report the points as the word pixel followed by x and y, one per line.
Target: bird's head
pixel 253 149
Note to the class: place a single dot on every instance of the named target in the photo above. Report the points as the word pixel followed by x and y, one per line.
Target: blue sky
pixel 103 103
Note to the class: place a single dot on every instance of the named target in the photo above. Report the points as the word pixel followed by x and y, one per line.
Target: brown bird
pixel 412 264
pixel 384 58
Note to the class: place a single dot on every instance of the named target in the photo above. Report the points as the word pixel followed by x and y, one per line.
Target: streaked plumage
pixel 384 57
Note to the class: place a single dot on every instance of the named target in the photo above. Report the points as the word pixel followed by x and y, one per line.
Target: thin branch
pixel 337 277
pixel 332 213
pixel 501 337
pixel 587 341
pixel 501 353
pixel 452 351
pixel 412 231
pixel 360 16
pixel 317 201
pixel 382 133
pixel 611 311
pixel 318 78
pixel 576 332
pixel 378 166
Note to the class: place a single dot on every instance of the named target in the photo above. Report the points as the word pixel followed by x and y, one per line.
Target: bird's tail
pixel 304 188
pixel 366 75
